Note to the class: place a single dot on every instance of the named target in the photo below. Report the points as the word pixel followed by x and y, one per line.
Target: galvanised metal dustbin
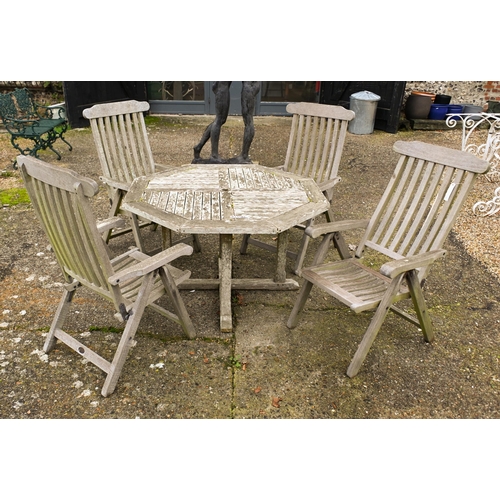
pixel 364 105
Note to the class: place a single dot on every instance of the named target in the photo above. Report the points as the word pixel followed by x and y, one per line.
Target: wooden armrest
pixel 396 267
pixel 324 186
pixel 336 226
pixel 152 263
pixel 111 223
pixel 115 184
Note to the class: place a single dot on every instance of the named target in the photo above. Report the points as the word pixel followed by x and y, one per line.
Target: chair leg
pixel 54 151
pixel 322 250
pixel 244 244
pixel 301 252
pixel 116 201
pixel 136 230
pixel 299 304
pixel 338 239
pixel 374 327
pixel 167 240
pixel 113 210
pixel 60 136
pixel 126 341
pixel 59 318
pixel 419 304
pixel 178 303
pixel 341 246
pixel 196 243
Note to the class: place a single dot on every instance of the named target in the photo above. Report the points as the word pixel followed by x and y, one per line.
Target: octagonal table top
pixel 225 199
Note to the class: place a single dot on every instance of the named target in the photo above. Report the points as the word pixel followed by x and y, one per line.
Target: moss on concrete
pixel 14 196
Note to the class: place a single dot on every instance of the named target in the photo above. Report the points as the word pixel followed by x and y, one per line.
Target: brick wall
pixel 492 91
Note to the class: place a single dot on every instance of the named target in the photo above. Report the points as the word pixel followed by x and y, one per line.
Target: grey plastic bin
pixel 364 105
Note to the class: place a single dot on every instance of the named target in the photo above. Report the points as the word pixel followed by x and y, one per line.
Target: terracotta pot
pixel 418 106
pixel 421 92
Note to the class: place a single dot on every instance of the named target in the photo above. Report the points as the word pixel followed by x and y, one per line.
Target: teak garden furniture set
pixel 413 218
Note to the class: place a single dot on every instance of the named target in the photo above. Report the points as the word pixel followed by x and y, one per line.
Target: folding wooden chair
pixel 131 281
pixel 408 227
pixel 124 152
pixel 314 150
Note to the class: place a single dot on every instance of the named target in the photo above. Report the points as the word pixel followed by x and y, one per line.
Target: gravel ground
pixel 480 235
pixel 262 370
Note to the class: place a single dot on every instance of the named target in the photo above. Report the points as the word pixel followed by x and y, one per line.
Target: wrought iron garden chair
pixel 124 152
pixel 314 150
pixel 408 228
pixel 32 127
pixel 131 281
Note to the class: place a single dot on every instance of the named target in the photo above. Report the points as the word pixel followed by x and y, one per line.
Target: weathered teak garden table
pixel 228 199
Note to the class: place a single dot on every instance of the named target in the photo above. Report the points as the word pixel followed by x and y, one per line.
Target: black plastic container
pixel 442 99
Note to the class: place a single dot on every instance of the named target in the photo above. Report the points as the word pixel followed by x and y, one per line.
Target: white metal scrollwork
pixel 488 150
pixel 488 207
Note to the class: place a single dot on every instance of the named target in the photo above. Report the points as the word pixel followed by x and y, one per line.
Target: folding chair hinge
pixel 71 287
pixel 124 313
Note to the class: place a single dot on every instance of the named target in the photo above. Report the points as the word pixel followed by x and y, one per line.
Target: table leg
pixel 166 238
pixel 225 274
pixel 280 276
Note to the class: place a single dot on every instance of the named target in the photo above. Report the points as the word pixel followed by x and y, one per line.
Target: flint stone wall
pixel 462 92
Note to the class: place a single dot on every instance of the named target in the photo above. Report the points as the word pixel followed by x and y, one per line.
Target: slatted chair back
pixel 316 140
pixel 315 147
pixel 121 139
pixel 422 200
pixel 124 152
pixel 132 280
pixel 60 199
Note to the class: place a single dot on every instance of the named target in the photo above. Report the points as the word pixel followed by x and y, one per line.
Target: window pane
pixel 289 92
pixel 176 91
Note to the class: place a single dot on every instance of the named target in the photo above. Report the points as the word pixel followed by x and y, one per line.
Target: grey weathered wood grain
pixel 227 200
pixel 409 226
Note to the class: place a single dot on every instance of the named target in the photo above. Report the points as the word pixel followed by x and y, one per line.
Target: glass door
pixel 186 97
pixel 276 95
pixel 190 97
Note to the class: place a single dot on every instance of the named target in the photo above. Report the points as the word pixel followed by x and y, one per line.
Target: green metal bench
pixel 25 119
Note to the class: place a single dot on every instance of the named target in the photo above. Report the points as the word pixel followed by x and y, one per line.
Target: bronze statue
pixel 212 132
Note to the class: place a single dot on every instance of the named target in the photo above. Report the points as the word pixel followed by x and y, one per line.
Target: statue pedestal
pixel 237 160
